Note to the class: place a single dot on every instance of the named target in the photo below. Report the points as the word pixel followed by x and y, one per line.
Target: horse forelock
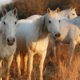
pixel 8 15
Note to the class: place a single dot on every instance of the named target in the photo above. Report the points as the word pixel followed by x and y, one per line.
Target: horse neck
pixel 37 32
pixel 44 33
pixel 63 26
pixel 41 34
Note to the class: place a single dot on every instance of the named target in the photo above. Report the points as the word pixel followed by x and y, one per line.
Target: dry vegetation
pixel 55 68
pixel 29 7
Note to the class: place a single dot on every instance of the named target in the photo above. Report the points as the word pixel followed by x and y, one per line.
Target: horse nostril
pixel 13 39
pixel 57 35
pixel 8 40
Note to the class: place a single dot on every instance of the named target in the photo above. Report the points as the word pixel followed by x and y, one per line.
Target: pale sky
pixel 3 2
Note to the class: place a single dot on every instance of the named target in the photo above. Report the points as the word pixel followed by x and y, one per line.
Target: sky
pixel 3 2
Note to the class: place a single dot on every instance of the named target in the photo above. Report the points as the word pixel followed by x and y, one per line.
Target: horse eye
pixel 73 14
pixel 15 22
pixel 4 23
pixel 49 21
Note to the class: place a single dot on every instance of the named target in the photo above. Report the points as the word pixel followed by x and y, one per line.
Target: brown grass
pixel 54 69
pixel 29 7
pixel 62 70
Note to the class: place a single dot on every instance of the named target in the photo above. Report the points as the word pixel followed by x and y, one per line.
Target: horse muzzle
pixel 10 41
pixel 57 35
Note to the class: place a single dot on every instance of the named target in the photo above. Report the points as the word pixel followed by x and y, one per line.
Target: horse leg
pixel 0 68
pixel 41 65
pixel 54 49
pixel 9 65
pixel 18 64
pixel 30 64
pixel 25 62
pixel 71 49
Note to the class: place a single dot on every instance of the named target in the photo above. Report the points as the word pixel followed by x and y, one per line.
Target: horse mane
pixel 44 31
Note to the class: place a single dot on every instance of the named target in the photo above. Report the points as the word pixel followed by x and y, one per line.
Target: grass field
pixel 54 68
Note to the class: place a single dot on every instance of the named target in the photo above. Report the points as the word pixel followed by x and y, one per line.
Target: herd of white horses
pixel 33 34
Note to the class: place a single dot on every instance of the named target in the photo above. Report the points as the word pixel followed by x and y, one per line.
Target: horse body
pixel 68 13
pixel 68 31
pixel 26 30
pixel 7 38
pixel 36 42
pixel 76 21
pixel 31 39
pixel 63 30
pixel 71 36
pixel 27 33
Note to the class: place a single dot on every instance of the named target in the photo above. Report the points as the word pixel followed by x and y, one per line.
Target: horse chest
pixel 6 51
pixel 39 46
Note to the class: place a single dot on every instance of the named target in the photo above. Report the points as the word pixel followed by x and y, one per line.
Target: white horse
pixel 68 13
pixel 28 32
pixel 76 21
pixel 31 37
pixel 63 30
pixel 7 38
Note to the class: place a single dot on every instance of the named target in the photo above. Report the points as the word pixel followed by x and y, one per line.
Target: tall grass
pixel 30 7
pixel 62 70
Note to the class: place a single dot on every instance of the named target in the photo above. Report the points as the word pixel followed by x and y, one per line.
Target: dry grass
pixel 54 69
pixel 30 7
pixel 62 70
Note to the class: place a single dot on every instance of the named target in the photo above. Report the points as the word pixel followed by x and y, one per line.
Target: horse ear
pixel 48 10
pixel 4 11
pixel 74 9
pixel 15 12
pixel 71 8
pixel 58 10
